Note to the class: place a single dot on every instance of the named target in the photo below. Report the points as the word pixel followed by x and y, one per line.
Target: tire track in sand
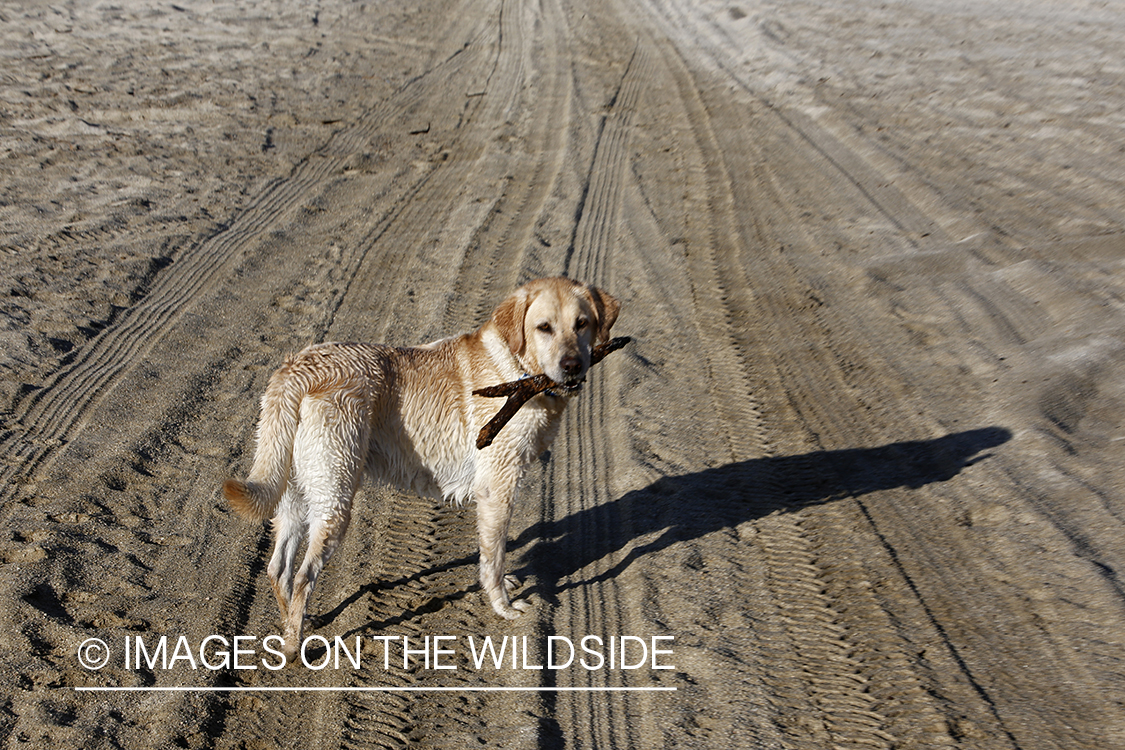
pixel 825 357
pixel 809 674
pixel 46 419
pixel 59 412
pixel 811 683
pixel 533 152
pixel 579 481
pixel 822 679
pixel 421 555
pixel 495 183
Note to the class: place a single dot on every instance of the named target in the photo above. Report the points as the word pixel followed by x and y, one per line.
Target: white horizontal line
pixel 370 689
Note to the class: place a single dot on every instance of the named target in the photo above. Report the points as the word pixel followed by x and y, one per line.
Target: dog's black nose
pixel 571 365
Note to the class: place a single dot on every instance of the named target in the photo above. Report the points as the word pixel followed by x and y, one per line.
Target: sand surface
pixel 862 471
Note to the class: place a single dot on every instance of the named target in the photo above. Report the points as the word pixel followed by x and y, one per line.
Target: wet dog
pixel 406 416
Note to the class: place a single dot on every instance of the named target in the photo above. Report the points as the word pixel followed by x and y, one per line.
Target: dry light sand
pixel 861 473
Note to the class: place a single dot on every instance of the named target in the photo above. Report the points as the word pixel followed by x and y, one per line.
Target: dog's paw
pixel 290 648
pixel 511 583
pixel 511 610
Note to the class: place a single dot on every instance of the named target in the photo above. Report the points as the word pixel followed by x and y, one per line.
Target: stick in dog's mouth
pixel 519 392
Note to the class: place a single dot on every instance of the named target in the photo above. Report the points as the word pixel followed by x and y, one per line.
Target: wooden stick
pixel 519 392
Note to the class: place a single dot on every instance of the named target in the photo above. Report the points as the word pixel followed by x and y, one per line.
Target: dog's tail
pixel 257 496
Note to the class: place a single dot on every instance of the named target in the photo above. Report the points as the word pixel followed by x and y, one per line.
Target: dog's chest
pixel 437 458
pixel 531 431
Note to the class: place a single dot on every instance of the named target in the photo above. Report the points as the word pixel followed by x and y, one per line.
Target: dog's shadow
pixel 680 508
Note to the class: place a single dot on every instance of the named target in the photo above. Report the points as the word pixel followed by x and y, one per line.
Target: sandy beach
pixel 857 482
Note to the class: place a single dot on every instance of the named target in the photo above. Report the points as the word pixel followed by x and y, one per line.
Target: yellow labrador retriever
pixel 407 416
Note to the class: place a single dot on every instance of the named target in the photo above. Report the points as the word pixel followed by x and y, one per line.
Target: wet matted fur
pixel 336 412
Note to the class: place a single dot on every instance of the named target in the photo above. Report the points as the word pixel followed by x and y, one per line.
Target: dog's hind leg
pixel 288 524
pixel 328 464
pixel 324 537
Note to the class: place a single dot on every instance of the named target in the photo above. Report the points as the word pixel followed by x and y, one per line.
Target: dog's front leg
pixel 494 514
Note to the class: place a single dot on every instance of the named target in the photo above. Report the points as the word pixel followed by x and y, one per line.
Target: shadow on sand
pixel 687 507
pixel 690 506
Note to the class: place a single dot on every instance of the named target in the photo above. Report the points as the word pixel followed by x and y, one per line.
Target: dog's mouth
pixel 570 387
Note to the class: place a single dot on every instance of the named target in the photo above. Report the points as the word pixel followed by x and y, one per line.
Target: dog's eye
pixel 580 324
pixel 545 327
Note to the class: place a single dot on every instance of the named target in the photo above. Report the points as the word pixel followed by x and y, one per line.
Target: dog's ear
pixel 508 320
pixel 606 307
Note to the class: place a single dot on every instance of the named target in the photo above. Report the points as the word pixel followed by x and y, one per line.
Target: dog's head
pixel 551 325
